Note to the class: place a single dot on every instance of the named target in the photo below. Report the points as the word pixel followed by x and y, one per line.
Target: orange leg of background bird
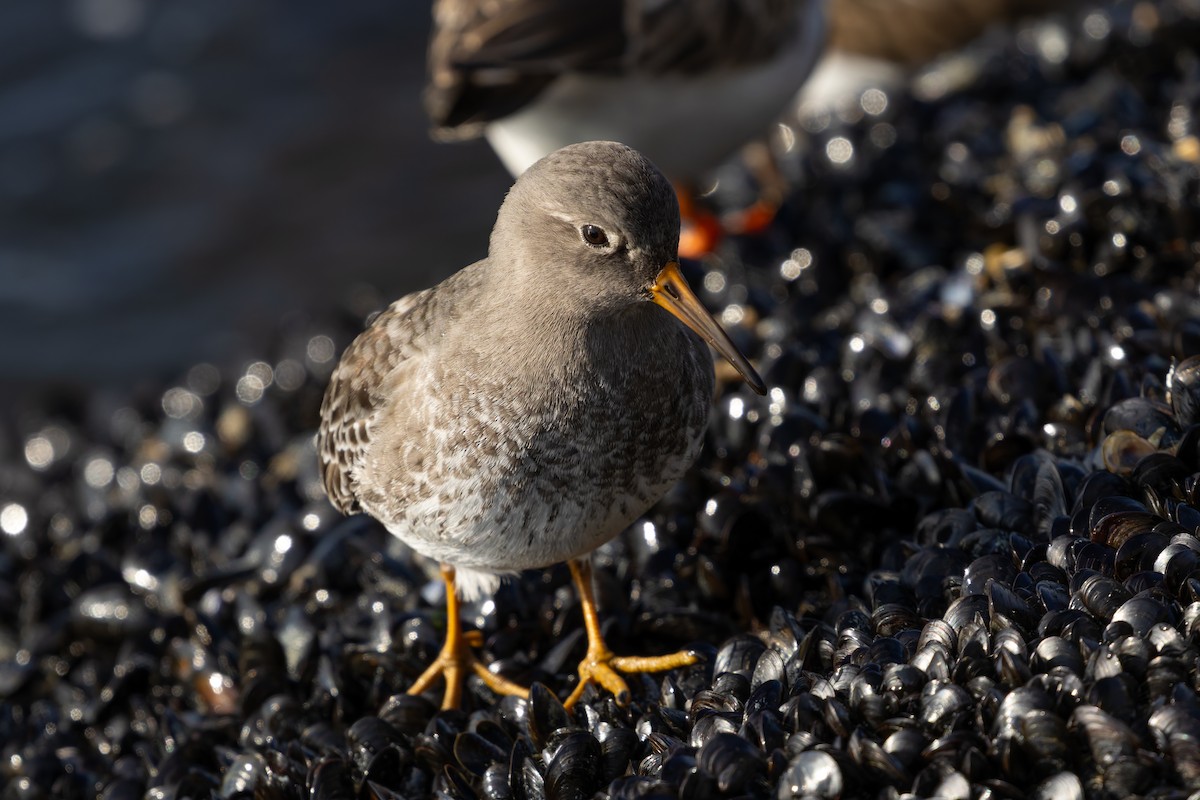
pixel 700 231
pixel 456 660
pixel 600 665
pixel 773 187
pixel 753 220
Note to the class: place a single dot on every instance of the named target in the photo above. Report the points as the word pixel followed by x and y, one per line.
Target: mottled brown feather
pixel 355 394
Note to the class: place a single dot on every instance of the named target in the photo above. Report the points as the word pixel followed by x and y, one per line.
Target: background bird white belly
pixel 728 107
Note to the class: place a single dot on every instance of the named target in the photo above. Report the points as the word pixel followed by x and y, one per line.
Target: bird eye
pixel 594 235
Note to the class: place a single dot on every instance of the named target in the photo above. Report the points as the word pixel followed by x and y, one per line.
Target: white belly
pixel 685 124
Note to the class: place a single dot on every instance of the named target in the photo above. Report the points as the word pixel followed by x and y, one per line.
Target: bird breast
pixel 499 470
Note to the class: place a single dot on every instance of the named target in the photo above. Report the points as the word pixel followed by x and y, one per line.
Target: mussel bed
pixel 954 552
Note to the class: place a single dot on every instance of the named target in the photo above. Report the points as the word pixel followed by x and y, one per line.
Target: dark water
pixel 176 176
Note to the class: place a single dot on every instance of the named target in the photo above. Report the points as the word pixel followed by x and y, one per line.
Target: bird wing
pixel 357 391
pixel 693 36
pixel 488 58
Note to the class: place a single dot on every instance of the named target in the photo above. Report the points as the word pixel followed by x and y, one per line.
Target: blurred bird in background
pixel 687 82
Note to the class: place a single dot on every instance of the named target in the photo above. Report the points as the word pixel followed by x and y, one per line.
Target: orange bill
pixel 671 292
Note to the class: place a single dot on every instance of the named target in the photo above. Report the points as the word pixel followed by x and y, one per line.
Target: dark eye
pixel 594 235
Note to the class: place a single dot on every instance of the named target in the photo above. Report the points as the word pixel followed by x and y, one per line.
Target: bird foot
pixel 454 663
pixel 600 666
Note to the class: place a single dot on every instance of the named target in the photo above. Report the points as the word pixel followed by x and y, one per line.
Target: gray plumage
pixel 531 406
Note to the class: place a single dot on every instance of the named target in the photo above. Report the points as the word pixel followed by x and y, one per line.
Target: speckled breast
pixel 531 478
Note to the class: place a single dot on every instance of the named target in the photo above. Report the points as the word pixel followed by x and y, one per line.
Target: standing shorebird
pixel 531 406
pixel 686 82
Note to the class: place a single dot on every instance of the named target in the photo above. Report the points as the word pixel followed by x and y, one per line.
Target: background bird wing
pixel 488 58
pixel 694 36
pixel 357 391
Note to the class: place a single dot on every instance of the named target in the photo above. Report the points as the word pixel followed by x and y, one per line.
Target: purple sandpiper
pixel 531 406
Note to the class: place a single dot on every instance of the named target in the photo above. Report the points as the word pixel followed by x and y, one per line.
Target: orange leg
pixel 700 230
pixel 456 659
pixel 773 187
pixel 600 665
pixel 753 220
